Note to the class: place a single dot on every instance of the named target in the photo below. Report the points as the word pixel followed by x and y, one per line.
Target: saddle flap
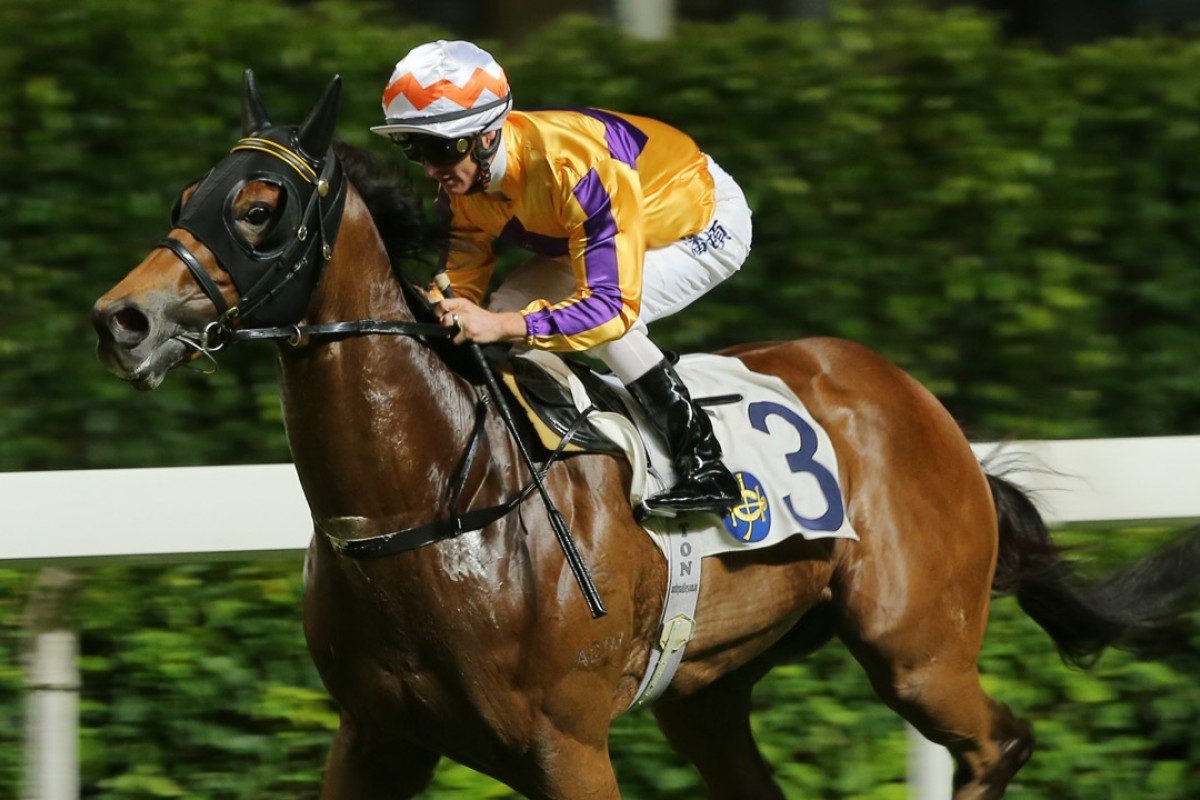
pixel 554 395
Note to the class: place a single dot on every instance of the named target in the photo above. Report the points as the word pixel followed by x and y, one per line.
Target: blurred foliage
pixel 197 685
pixel 1012 226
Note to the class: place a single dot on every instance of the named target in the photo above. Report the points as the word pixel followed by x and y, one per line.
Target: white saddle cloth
pixel 783 460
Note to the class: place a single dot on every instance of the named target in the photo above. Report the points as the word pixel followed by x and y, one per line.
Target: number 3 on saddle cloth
pixel 783 460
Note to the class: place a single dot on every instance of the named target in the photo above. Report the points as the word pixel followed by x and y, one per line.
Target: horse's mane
pixel 408 234
pixel 407 231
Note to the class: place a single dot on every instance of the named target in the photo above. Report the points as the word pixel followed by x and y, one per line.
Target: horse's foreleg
pixel 359 769
pixel 711 729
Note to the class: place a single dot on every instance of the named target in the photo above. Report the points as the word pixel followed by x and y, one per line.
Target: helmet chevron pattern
pixel 466 95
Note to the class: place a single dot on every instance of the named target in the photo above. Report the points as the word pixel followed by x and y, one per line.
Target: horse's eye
pixel 258 215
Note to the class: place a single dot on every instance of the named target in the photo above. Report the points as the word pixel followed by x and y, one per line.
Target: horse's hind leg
pixel 711 729
pixel 948 706
pixel 932 680
pixel 363 770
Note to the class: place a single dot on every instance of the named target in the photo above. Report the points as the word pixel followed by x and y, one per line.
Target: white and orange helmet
pixel 446 89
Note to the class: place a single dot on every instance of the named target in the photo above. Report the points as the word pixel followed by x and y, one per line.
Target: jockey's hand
pixel 479 325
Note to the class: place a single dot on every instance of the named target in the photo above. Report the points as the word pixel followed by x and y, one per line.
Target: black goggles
pixel 435 150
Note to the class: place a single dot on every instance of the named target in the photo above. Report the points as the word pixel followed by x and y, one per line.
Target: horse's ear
pixel 254 115
pixel 316 134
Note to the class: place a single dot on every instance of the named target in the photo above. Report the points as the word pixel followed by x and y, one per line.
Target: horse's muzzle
pixel 133 346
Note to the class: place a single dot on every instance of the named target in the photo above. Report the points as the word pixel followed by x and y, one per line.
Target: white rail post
pixel 646 19
pixel 52 702
pixel 930 768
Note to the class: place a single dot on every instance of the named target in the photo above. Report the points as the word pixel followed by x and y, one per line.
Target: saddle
pixel 781 457
pixel 542 385
pixel 778 452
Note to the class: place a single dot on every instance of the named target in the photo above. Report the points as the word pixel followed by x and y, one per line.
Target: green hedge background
pixel 1015 227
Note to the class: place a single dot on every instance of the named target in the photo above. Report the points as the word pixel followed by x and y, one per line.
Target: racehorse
pixel 477 645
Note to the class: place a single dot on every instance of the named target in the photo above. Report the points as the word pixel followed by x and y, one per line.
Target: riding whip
pixel 561 532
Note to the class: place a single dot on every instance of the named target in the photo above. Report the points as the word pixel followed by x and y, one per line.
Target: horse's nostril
pixel 123 323
pixel 129 321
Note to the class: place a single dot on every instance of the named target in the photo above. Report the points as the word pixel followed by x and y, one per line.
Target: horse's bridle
pixel 275 284
pixel 276 276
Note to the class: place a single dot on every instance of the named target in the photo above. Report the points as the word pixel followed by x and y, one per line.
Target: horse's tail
pixel 1140 608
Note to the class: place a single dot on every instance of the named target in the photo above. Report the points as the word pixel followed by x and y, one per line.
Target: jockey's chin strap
pixel 386 544
pixel 482 156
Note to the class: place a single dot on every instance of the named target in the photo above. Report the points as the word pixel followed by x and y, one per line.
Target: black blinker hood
pixel 276 277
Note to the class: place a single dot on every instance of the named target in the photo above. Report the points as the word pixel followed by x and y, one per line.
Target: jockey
pixel 628 220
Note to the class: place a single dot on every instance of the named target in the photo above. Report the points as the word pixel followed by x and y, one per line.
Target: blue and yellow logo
pixel 749 520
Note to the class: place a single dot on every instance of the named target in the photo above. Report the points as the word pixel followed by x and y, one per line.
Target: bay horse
pixel 479 646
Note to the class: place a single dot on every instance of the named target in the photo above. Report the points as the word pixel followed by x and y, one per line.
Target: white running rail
pixel 209 513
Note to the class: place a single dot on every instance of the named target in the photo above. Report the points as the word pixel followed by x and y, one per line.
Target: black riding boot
pixel 704 483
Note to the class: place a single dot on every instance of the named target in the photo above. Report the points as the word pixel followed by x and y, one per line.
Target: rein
pixel 218 333
pixel 399 541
